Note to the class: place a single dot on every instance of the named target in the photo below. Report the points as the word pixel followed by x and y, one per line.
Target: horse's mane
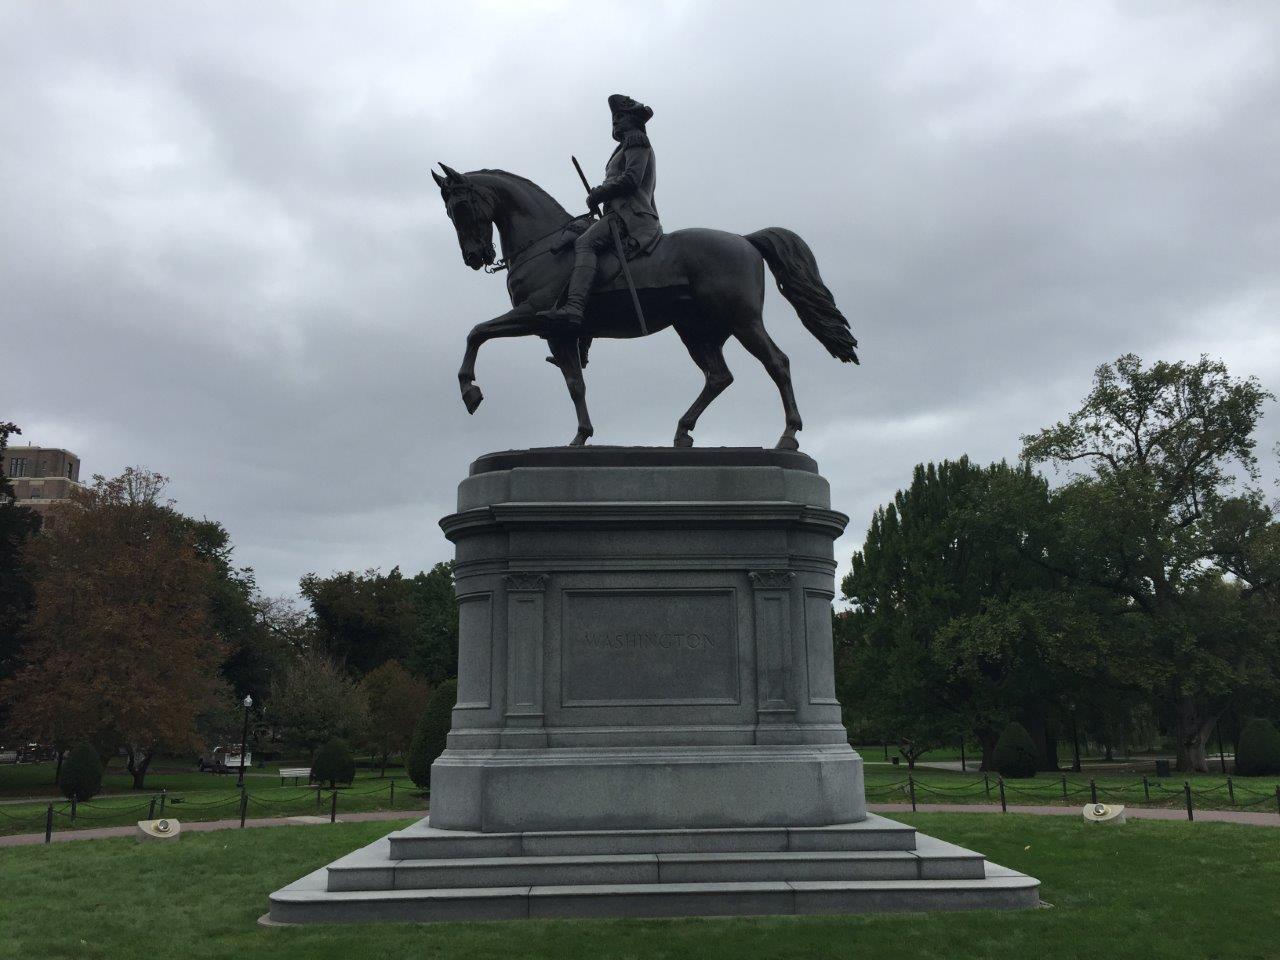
pixel 525 180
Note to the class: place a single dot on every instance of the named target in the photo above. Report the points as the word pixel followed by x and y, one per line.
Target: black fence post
pixel 393 791
pixel 1278 798
pixel 73 809
pixel 163 795
pixel 48 820
pixel 1146 789
pixel 986 785
pixel 1004 807
pixel 333 807
pixel 317 798
pixel 1093 790
pixel 244 805
pixel 1186 789
pixel 1064 786
pixel 151 810
pixel 911 790
pixel 1231 791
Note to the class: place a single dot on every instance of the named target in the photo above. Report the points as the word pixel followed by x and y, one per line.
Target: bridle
pixel 472 196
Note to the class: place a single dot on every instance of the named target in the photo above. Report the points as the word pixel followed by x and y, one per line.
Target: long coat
pixel 630 178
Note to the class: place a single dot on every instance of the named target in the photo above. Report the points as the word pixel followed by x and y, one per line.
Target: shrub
pixel 1258 752
pixel 334 764
pixel 1016 753
pixel 429 737
pixel 81 776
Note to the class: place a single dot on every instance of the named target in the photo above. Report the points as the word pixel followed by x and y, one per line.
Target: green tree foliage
pixel 1258 752
pixel 1151 513
pixel 396 700
pixel 429 737
pixel 953 627
pixel 334 764
pixel 314 701
pixel 1015 754
pixel 81 776
pixel 364 620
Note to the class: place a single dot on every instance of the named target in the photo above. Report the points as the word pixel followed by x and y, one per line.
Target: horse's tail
pixel 796 273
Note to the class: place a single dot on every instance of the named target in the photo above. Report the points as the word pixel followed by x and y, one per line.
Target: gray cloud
pixel 222 257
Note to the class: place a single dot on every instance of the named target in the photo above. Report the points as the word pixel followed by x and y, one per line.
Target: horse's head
pixel 470 206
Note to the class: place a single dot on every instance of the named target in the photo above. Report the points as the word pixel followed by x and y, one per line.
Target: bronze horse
pixel 707 284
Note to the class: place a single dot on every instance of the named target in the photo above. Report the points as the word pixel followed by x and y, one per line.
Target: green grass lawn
pixel 1141 890
pixel 195 796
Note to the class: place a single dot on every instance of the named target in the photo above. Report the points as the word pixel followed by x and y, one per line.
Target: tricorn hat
pixel 621 103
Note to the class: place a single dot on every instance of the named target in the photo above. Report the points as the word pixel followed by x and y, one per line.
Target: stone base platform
pixel 424 874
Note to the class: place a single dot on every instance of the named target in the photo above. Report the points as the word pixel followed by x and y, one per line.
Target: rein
pixel 511 262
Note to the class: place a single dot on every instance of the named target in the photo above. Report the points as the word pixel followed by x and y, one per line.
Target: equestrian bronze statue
pixel 572 279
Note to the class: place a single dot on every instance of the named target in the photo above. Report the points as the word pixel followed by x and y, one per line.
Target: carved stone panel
pixel 818 647
pixel 635 647
pixel 475 650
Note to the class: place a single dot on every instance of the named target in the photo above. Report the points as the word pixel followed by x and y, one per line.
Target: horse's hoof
pixel 472 397
pixel 580 440
pixel 787 443
pixel 683 441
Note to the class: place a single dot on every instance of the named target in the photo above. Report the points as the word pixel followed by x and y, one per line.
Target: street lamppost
pixel 244 737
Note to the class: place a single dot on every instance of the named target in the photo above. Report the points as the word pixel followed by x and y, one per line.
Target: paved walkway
pixel 1251 817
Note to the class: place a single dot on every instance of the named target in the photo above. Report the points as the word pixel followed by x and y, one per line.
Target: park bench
pixel 295 773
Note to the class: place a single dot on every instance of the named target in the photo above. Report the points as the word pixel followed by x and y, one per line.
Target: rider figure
pixel 627 195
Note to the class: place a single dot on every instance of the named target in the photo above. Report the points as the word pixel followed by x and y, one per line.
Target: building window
pixel 69 471
pixel 18 467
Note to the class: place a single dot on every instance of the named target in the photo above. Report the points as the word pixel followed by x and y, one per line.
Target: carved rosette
pixel 771 579
pixel 526 582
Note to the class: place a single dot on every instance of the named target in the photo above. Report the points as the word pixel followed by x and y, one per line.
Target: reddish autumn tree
pixel 120 647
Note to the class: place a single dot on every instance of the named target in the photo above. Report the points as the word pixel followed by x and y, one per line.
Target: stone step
pixel 372 868
pixel 423 842
pixel 307 900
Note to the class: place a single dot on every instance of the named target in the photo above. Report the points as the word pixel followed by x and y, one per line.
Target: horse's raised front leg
pixel 520 322
pixel 565 352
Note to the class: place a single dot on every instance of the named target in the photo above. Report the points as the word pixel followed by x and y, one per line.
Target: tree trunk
pixel 57 771
pixel 138 768
pixel 987 741
pixel 1192 734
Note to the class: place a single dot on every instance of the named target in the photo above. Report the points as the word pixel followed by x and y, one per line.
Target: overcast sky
pixel 222 256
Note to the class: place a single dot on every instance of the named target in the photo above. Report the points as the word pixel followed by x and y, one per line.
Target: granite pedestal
pixel 647 721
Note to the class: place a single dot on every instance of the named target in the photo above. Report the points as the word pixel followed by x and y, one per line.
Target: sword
pixel 617 246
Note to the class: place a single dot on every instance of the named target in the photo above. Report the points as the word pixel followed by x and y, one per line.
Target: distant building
pixel 41 476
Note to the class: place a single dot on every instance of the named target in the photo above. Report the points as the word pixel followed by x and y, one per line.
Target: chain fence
pixel 108 811
pixel 1140 793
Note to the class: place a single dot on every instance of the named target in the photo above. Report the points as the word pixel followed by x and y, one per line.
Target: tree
pixel 1150 513
pixel 314 701
pixel 1258 752
pixel 396 699
pixel 363 620
pixel 17 526
pixel 953 629
pixel 1016 753
pixel 80 778
pixel 334 763
pixel 435 651
pixel 429 738
pixel 120 648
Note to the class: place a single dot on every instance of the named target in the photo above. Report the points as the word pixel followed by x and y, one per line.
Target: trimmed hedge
pixel 1258 752
pixel 334 764
pixel 429 737
pixel 1015 753
pixel 81 777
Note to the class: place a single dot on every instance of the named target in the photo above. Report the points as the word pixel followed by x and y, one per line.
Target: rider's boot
pixel 575 301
